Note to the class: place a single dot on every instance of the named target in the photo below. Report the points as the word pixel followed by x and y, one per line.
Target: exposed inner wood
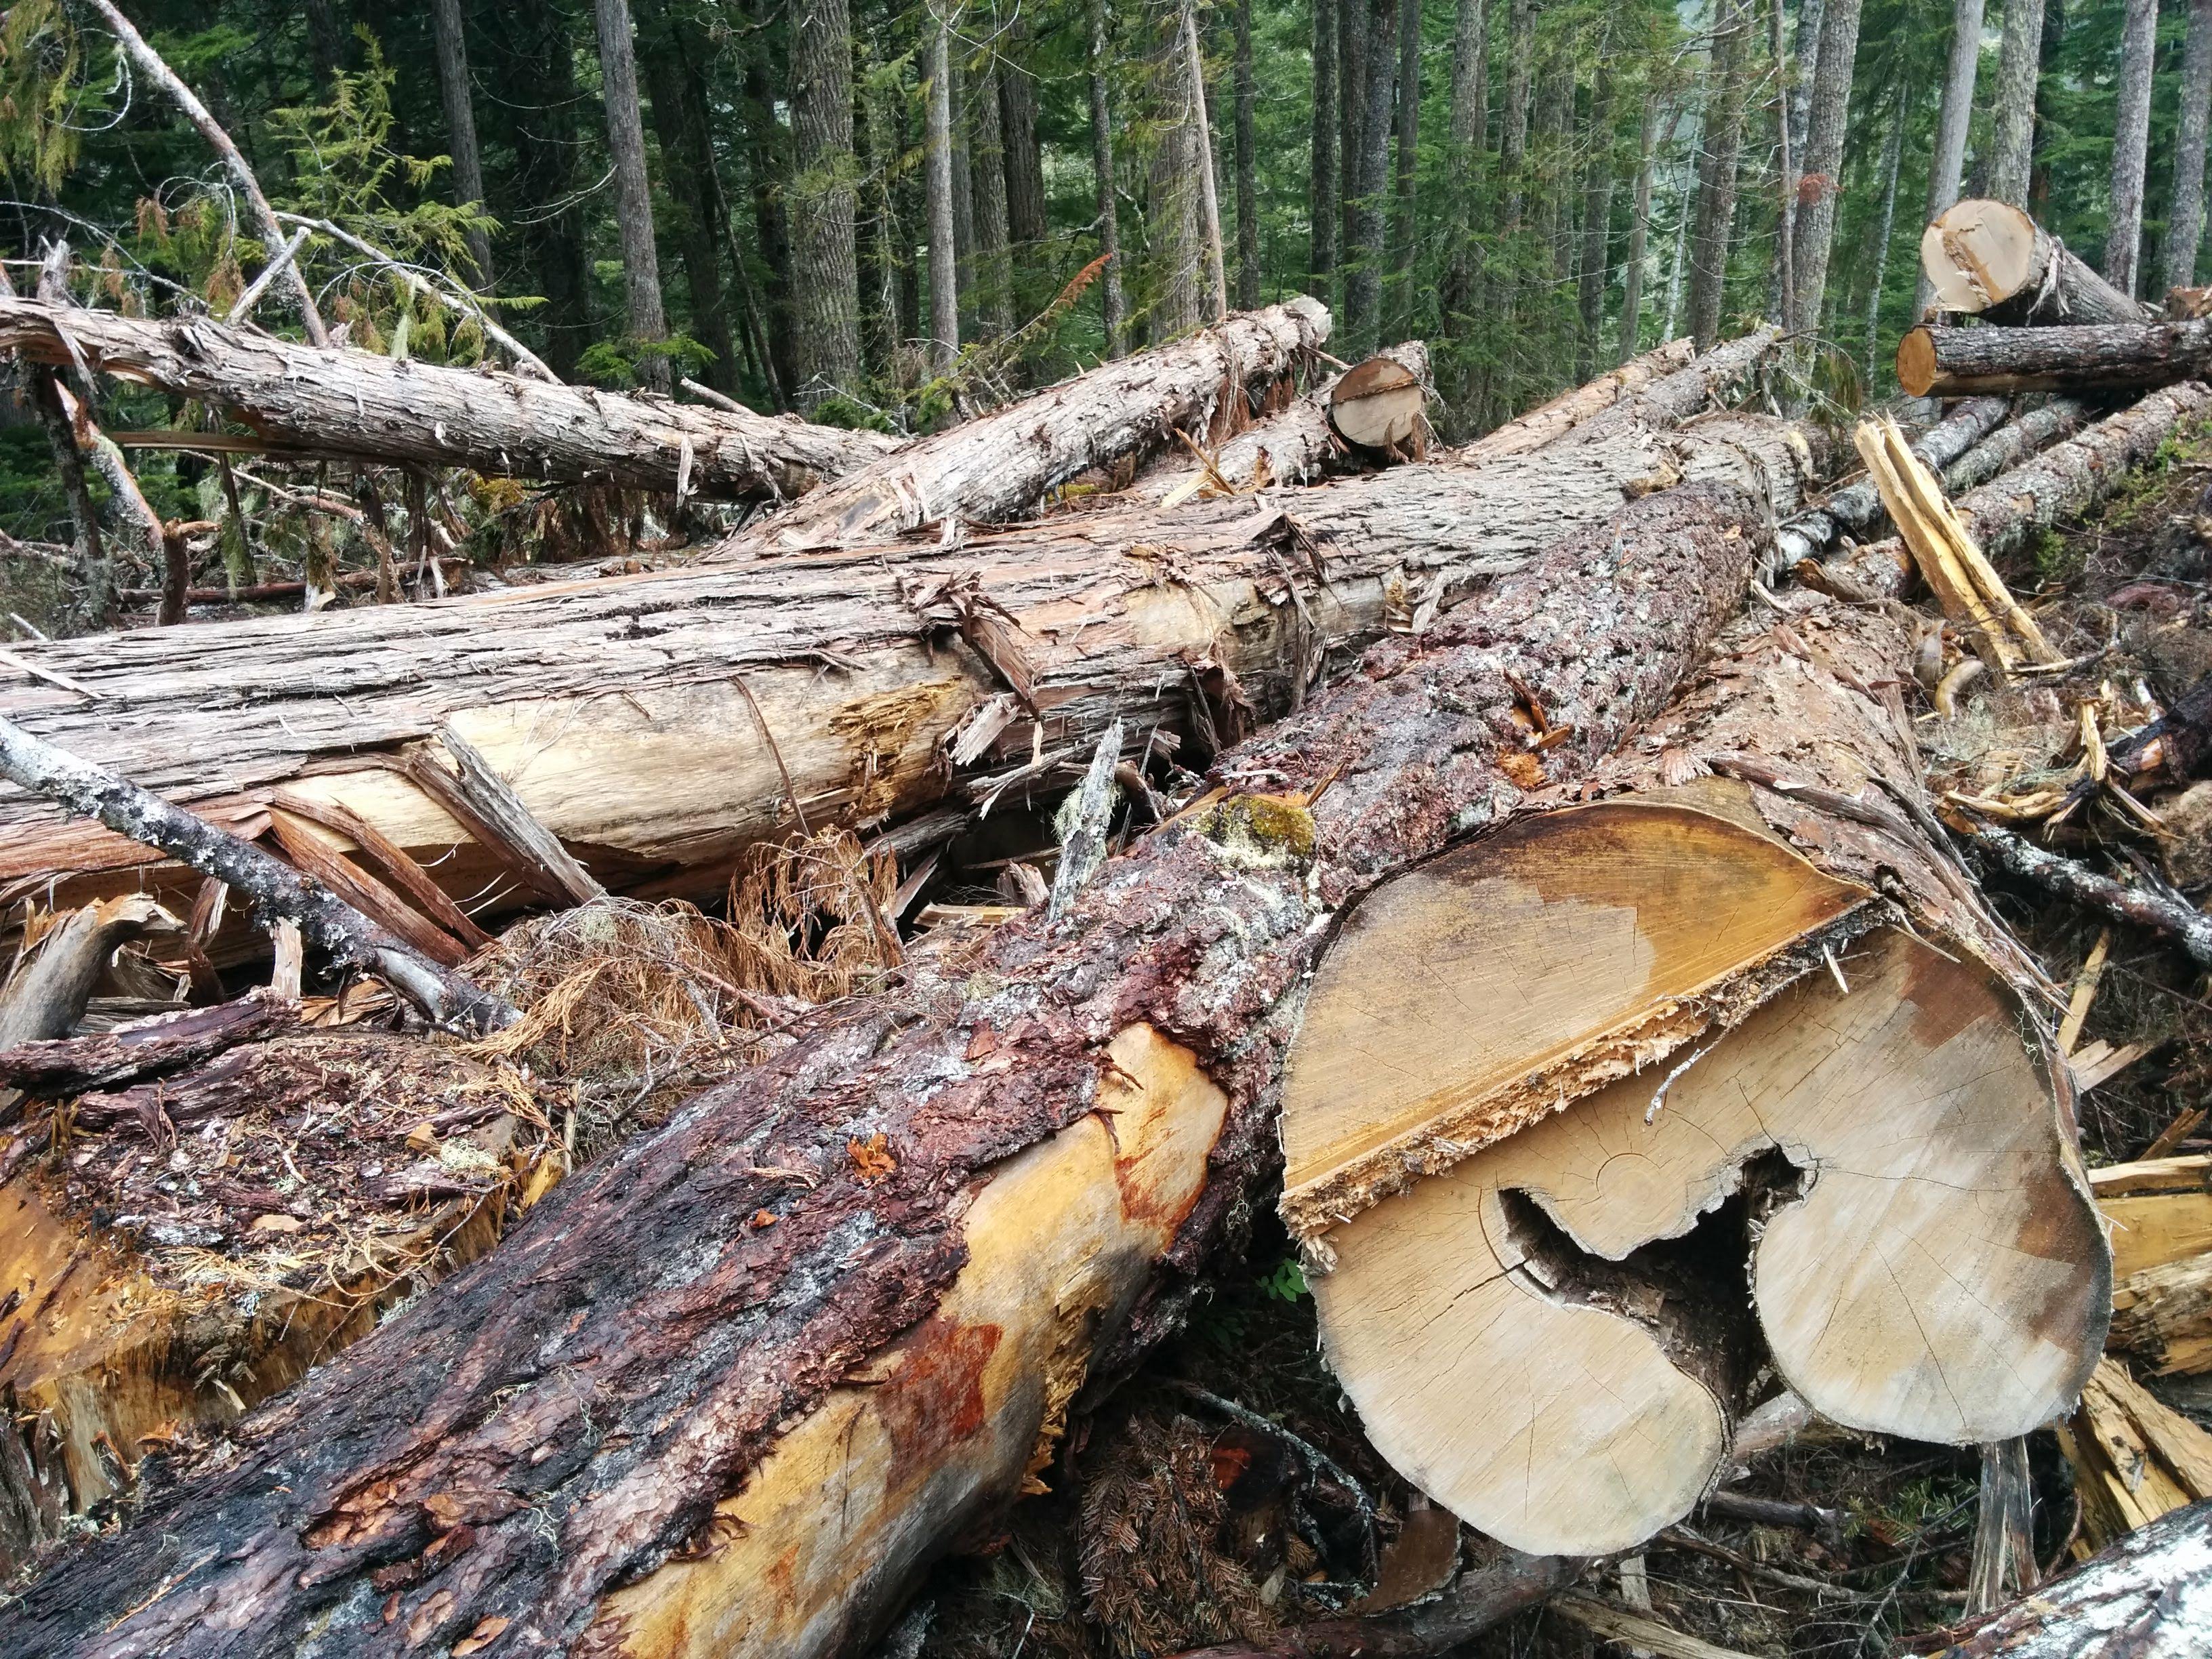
pixel 1378 406
pixel 1992 259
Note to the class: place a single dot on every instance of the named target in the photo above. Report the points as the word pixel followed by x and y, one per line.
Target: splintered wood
pixel 1973 595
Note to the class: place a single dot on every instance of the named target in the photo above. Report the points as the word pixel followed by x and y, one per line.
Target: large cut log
pixel 651 722
pixel 1000 465
pixel 2147 1596
pixel 2066 479
pixel 1974 362
pixel 726 1392
pixel 1549 422
pixel 1856 509
pixel 356 404
pixel 1750 972
pixel 1990 257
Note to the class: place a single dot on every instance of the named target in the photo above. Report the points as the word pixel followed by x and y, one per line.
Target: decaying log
pixel 322 402
pixel 1753 948
pixel 1295 444
pixel 1000 465
pixel 1990 257
pixel 1569 409
pixel 208 1236
pixel 1856 509
pixel 1974 362
pixel 2164 1314
pixel 847 676
pixel 143 1048
pixel 47 995
pixel 884 1262
pixel 2064 478
pixel 2147 1596
pixel 276 891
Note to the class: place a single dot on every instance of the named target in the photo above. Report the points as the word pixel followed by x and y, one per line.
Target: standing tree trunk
pixel 825 270
pixel 1790 157
pixel 1363 290
pixel 648 324
pixel 1469 118
pixel 1827 119
pixel 1639 235
pixel 1247 184
pixel 1352 44
pixel 534 66
pixel 1323 205
pixel 944 254
pixel 2012 129
pixel 963 181
pixel 1113 317
pixel 1712 232
pixel 1597 225
pixel 2130 144
pixel 2184 221
pixel 1403 235
pixel 1952 118
pixel 673 55
pixel 1209 195
pixel 1892 155
pixel 991 270
pixel 765 169
pixel 1017 135
pixel 461 127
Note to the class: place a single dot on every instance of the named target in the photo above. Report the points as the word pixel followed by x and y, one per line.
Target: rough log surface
pixel 587 1410
pixel 621 711
pixel 144 1048
pixel 2148 1596
pixel 1973 362
pixel 2065 478
pixel 1569 409
pixel 998 466
pixel 355 402
pixel 1708 382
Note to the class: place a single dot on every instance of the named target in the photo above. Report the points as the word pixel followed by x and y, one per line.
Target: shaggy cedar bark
pixel 609 1424
pixel 859 670
pixel 1967 363
pixel 360 403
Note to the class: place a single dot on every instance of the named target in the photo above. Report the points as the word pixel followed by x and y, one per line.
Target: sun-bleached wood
pixel 1377 406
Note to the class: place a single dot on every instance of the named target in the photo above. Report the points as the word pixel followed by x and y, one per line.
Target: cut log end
pixel 1916 361
pixel 1377 405
pixel 1979 254
pixel 1886 1160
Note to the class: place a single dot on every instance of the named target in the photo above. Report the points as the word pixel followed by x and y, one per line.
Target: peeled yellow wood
pixel 2135 1458
pixel 964 1410
pixel 1936 511
pixel 1953 590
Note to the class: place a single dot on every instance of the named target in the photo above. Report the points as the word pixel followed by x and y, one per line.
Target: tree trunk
pixel 1892 155
pixel 2149 1595
pixel 536 101
pixel 1598 226
pixel 1789 155
pixel 1353 39
pixel 765 167
pixel 1827 119
pixel 2012 134
pixel 825 268
pixel 659 790
pixel 992 270
pixel 361 403
pixel 1017 135
pixel 1363 292
pixel 2130 144
pixel 943 250
pixel 1713 234
pixel 1953 116
pixel 998 466
pixel 2073 475
pixel 1965 362
pixel 2184 219
pixel 640 259
pixel 459 98
pixel 1405 230
pixel 1639 236
pixel 1209 194
pixel 1002 1240
pixel 1248 179
pixel 1987 257
pixel 673 58
pixel 963 177
pixel 1323 206
pixel 1470 116
pixel 1871 1297
pixel 1113 315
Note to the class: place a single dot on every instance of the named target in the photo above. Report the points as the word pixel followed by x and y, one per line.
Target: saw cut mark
pixel 1456 991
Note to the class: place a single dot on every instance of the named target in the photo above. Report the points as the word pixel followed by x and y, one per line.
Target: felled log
pixel 998 466
pixel 882 1265
pixel 1856 509
pixel 1748 979
pixel 1991 259
pixel 1715 380
pixel 2065 478
pixel 1298 444
pixel 320 401
pixel 215 1229
pixel 651 722
pixel 1569 409
pixel 1974 362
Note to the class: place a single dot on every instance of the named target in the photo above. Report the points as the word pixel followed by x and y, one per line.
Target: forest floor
pixel 1190 1509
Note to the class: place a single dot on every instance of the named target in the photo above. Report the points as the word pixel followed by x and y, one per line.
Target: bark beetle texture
pixel 998 466
pixel 580 1404
pixel 622 711
pixel 1962 362
pixel 2063 479
pixel 356 404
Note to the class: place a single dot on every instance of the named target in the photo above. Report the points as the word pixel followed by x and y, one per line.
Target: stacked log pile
pixel 1476 730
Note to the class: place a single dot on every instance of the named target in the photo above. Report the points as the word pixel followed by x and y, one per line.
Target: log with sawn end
pixel 1978 362
pixel 1992 258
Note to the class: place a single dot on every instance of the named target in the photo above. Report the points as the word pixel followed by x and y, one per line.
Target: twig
pixel 1320 1461
pixel 2186 925
pixel 270 272
pixel 774 750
